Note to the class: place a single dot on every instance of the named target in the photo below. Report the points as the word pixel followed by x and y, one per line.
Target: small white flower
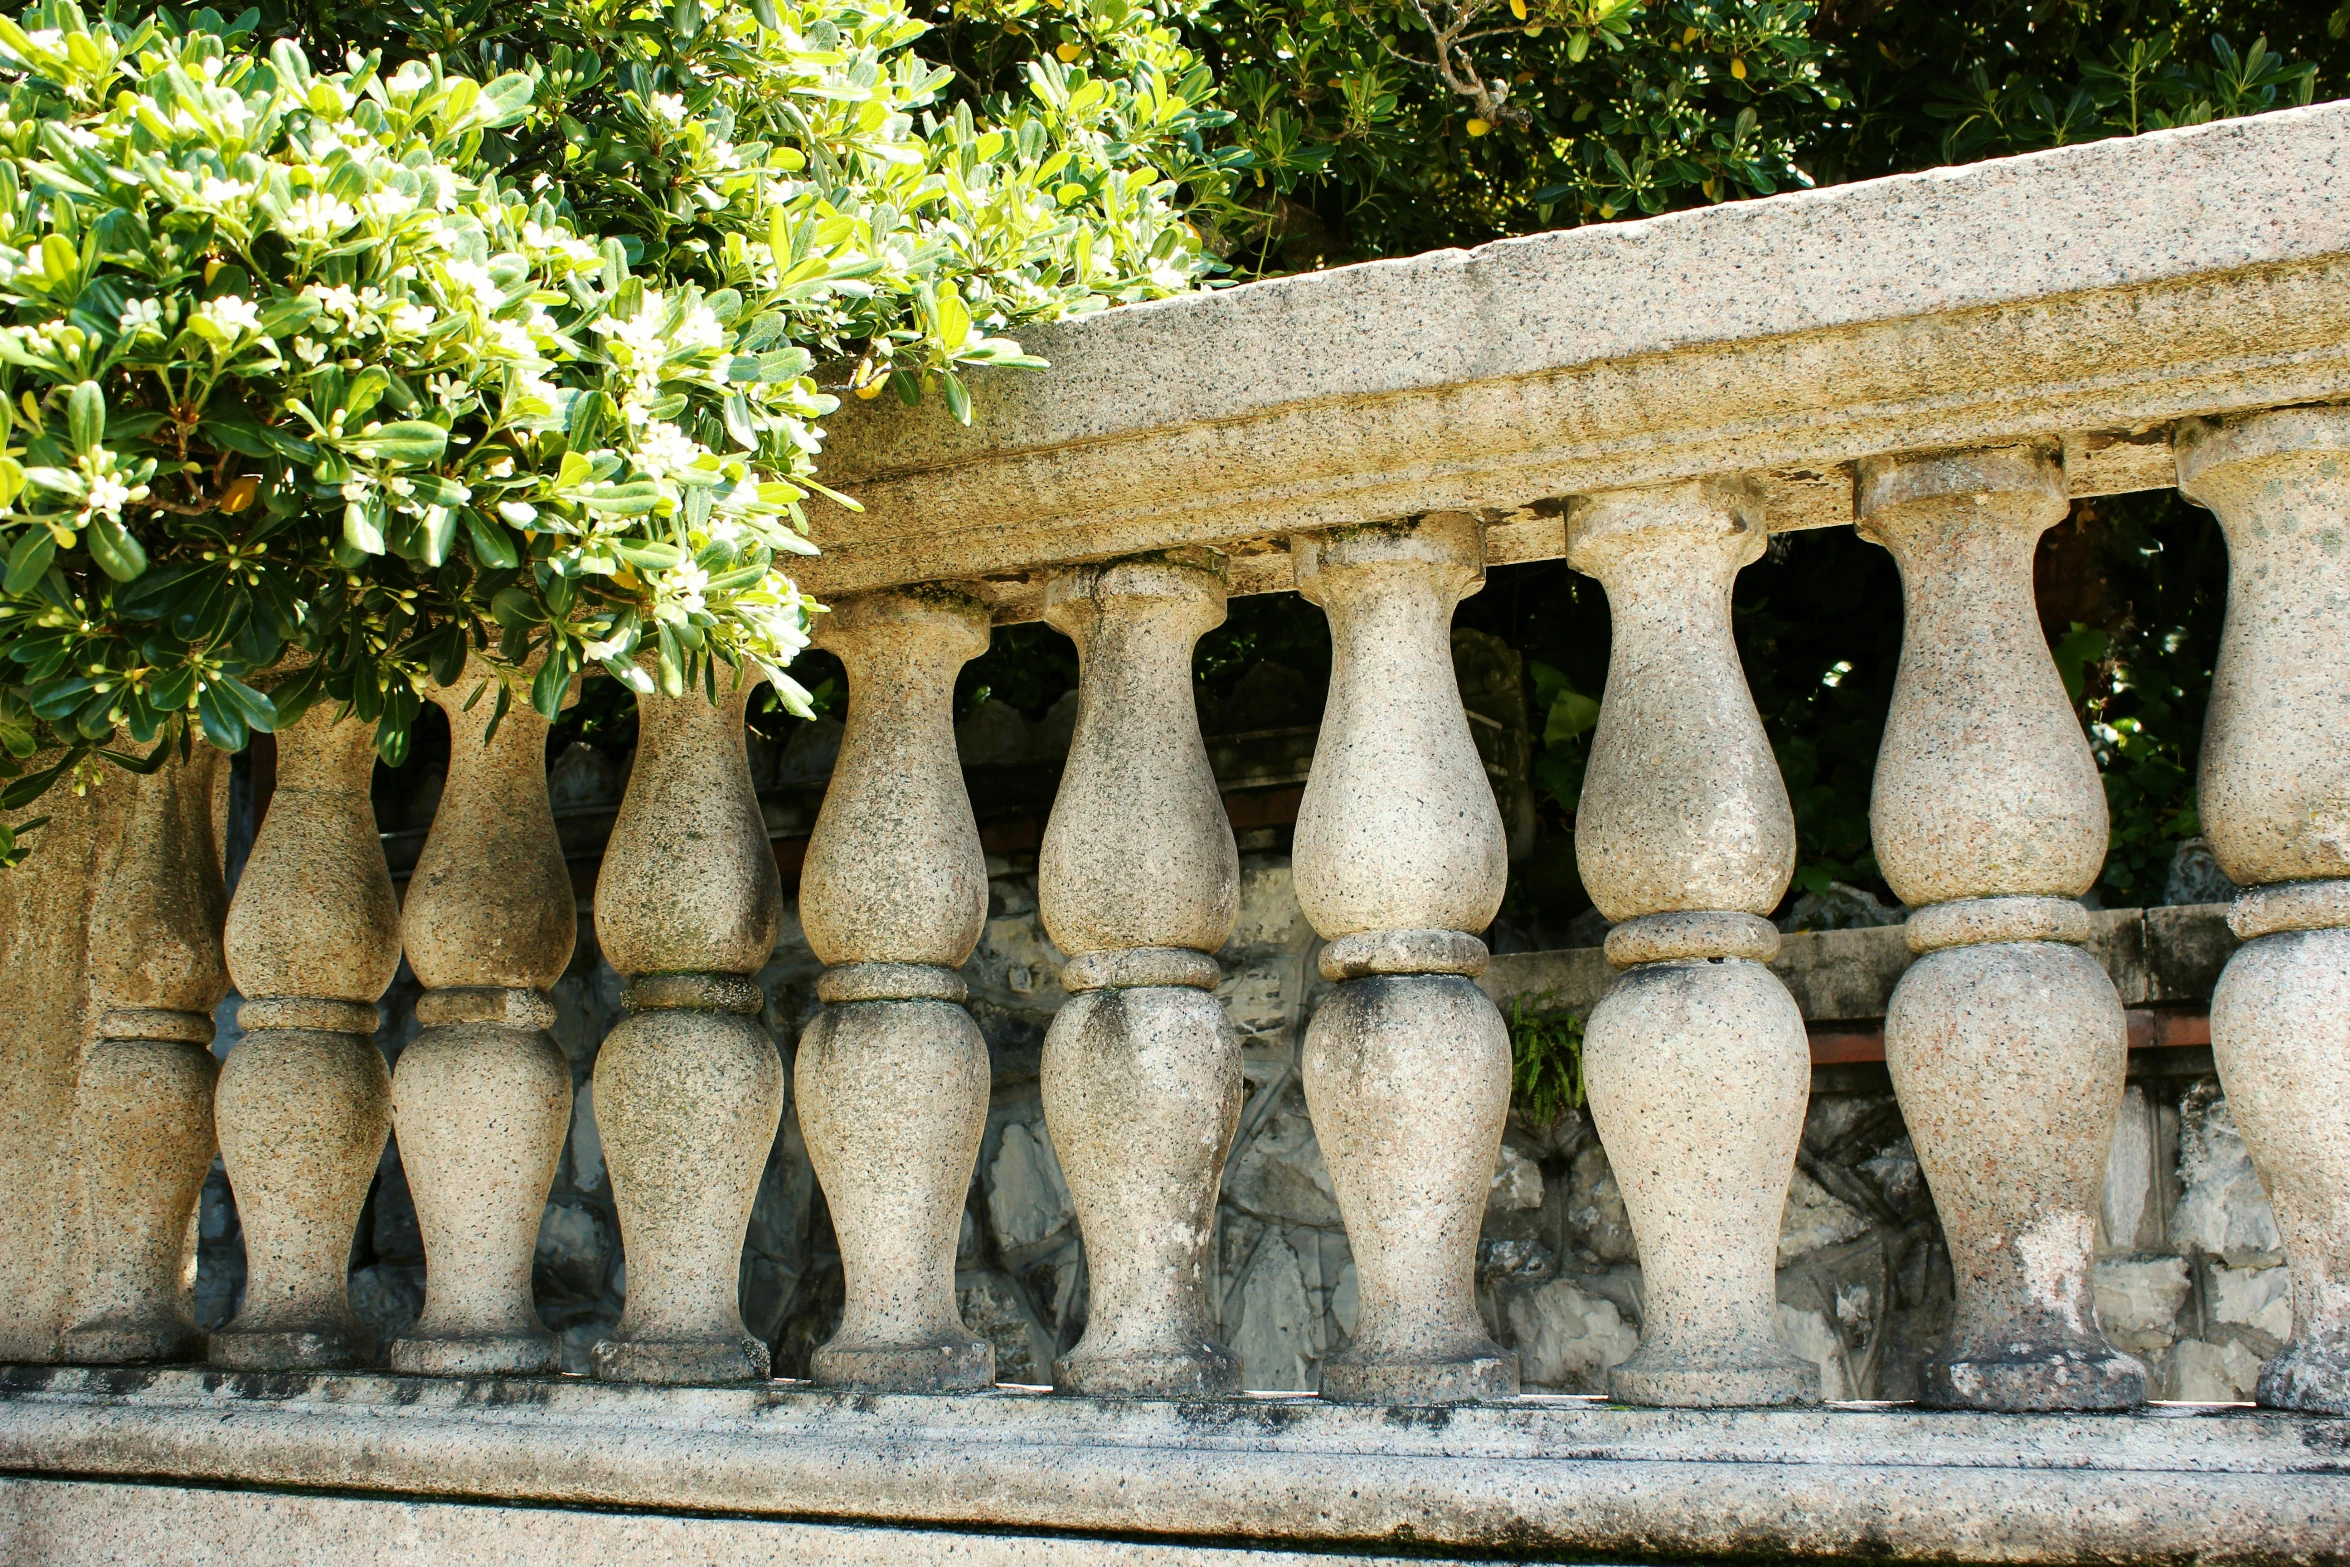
pixel 473 278
pixel 139 316
pixel 216 192
pixel 513 338
pixel 308 351
pixel 681 586
pixel 388 206
pixel 700 329
pixel 232 314
pixel 315 217
pixel 334 299
pixel 411 320
pixel 664 449
pixel 107 494
pixel 669 107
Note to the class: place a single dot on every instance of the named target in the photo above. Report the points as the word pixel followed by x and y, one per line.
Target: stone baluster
pixel 482 1096
pixel 304 1100
pixel 2005 1039
pixel 1399 856
pixel 1138 882
pixel 143 1109
pixel 2274 792
pixel 689 1088
pixel 1697 1062
pixel 893 1074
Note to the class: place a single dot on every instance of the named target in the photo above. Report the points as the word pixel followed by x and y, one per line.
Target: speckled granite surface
pixel 1550 1475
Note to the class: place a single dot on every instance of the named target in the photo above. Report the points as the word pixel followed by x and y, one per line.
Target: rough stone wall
pixel 2189 1277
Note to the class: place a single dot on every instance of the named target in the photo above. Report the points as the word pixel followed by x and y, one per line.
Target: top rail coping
pixel 2086 297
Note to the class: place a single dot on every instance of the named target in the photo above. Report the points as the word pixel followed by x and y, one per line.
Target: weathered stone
pixel 1281 1175
pixel 2257 1298
pixel 1813 1218
pixel 1811 1338
pixel 990 1305
pixel 143 1112
pixel 1564 1479
pixel 1684 836
pixel 1596 1219
pixel 482 1097
pixel 1567 1340
pixel 2138 1300
pixel 2272 788
pixel 1949 308
pixel 46 1014
pixel 2222 1210
pixel 1027 1196
pixel 689 1089
pixel 2006 1046
pixel 1271 1339
pixel 2203 1373
pixel 1517 1183
pixel 892 1078
pixel 2129 1175
pixel 1138 880
pixel 1406 1072
pixel 304 1102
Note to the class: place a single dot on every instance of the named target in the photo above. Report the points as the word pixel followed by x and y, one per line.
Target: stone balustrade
pixel 1942 361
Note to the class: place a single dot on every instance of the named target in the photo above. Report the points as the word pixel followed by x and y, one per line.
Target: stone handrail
pixel 1941 360
pixel 2085 298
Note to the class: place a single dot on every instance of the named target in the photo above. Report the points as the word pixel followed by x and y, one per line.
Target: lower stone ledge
pixel 1258 1480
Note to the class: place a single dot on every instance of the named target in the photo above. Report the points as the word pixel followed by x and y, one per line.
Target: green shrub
pixel 317 380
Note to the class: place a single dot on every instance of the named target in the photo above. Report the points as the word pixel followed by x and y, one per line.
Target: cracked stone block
pixel 387 1297
pixel 1809 1335
pixel 1274 1334
pixel 1899 1180
pixel 1813 1218
pixel 1027 1200
pixel 1517 1183
pixel 2129 1175
pixel 1596 1220
pixel 1567 1340
pixel 992 1307
pixel 2222 1211
pixel 2204 1373
pixel 2259 1298
pixel 1281 1175
pixel 2138 1299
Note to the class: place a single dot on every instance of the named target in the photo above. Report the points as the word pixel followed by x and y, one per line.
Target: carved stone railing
pixel 1941 360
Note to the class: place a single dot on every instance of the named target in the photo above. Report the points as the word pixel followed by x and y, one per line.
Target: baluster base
pixel 2032 1377
pixel 489 1355
pixel 1479 1377
pixel 123 1343
pixel 957 1367
pixel 1760 1378
pixel 1211 1371
pixel 680 1362
pixel 296 1349
pixel 2304 1378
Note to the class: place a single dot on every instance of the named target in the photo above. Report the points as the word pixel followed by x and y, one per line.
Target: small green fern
pixel 1546 1059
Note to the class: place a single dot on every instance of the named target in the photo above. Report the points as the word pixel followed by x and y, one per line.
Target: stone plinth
pixel 1562 1476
